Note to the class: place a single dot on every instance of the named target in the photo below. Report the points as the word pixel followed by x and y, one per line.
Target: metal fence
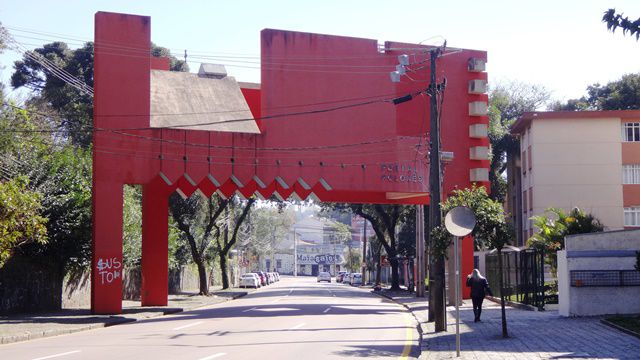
pixel 580 278
pixel 522 274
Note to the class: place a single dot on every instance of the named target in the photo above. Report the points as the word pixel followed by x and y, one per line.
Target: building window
pixel 632 216
pixel 524 161
pixel 525 198
pixel 531 199
pixel 631 131
pixel 631 174
pixel 529 158
pixel 278 264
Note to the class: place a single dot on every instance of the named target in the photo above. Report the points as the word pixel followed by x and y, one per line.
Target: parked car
pixel 356 279
pixel 250 280
pixel 277 274
pixel 324 276
pixel 340 276
pixel 263 278
pixel 346 279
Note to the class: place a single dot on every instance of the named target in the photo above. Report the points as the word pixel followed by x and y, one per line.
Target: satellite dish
pixel 460 221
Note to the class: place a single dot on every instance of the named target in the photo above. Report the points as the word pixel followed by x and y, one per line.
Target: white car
pixel 324 276
pixel 346 279
pixel 250 280
pixel 356 279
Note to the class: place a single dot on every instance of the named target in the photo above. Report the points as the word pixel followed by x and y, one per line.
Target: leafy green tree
pixel 492 230
pixel 383 219
pixel 616 20
pixel 622 94
pixel 507 102
pixel 132 226
pixel 354 260
pixel 268 226
pixel 196 218
pixel 554 225
pixel 63 177
pixel 20 219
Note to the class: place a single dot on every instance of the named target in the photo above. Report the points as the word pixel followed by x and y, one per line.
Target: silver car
pixel 324 276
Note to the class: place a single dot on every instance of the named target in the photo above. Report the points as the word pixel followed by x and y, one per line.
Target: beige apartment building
pixel 585 159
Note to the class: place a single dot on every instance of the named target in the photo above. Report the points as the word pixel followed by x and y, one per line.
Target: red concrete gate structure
pixel 324 128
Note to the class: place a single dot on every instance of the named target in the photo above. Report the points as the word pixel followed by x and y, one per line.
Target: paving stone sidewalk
pixel 27 327
pixel 532 335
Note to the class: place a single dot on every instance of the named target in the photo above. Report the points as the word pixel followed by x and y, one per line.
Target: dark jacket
pixel 479 287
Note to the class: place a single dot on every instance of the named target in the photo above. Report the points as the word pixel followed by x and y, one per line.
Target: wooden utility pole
pixel 437 280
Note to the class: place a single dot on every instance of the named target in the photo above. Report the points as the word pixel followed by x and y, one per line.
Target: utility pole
pixel 437 281
pixel 364 251
pixel 419 281
pixel 295 254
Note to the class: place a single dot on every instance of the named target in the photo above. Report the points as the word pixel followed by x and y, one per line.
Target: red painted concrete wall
pixel 326 124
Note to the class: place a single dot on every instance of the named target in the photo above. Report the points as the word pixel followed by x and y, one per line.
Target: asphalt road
pixel 295 318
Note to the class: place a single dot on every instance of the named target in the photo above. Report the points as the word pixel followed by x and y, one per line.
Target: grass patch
pixel 631 323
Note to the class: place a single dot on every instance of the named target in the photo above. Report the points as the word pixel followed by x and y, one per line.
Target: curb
pixel 113 321
pixel 620 328
pixel 422 345
pixel 513 304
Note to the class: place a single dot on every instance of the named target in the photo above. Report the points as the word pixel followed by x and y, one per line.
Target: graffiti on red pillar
pixel 109 269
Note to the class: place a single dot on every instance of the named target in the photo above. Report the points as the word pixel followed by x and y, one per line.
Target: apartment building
pixel 585 159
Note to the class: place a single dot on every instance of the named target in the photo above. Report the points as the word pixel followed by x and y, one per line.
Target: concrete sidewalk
pixel 532 334
pixel 28 327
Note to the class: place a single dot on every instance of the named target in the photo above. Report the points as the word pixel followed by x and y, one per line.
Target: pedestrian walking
pixel 479 289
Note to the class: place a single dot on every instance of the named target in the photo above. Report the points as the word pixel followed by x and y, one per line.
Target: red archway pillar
pixel 155 244
pixel 106 272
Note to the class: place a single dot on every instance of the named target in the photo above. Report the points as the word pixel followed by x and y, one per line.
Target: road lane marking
pixel 408 342
pixel 327 310
pixel 253 308
pixel 213 356
pixel 57 355
pixel 188 325
pixel 290 291
pixel 298 326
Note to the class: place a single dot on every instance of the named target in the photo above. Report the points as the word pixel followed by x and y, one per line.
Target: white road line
pixel 188 325
pixel 297 326
pixel 327 310
pixel 213 356
pixel 253 308
pixel 290 291
pixel 276 300
pixel 57 355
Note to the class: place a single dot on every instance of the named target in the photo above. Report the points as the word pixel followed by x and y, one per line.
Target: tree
pixel 269 225
pixel 383 219
pixel 492 229
pixel 507 102
pixel 63 177
pixel 615 20
pixel 224 244
pixel 554 225
pixel 20 219
pixel 196 217
pixel 622 94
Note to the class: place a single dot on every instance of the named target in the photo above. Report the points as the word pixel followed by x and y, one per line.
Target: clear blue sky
pixel 560 44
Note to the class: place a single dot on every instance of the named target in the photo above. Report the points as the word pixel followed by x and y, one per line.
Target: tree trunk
pixel 223 271
pixel 438 297
pixel 505 334
pixel 202 274
pixel 395 273
pixel 378 271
